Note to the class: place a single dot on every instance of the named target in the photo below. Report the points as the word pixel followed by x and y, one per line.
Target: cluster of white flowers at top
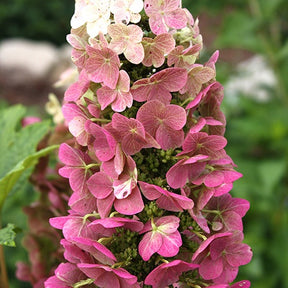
pixel 96 14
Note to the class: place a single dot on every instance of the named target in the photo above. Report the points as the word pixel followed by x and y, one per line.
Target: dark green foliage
pixel 37 20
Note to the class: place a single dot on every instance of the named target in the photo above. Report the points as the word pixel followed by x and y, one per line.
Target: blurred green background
pixel 257 126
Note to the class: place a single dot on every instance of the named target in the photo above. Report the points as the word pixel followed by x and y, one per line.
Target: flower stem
pixel 100 120
pixel 3 272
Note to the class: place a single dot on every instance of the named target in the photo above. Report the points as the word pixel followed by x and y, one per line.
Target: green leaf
pixel 283 53
pixel 269 8
pixel 17 147
pixel 271 173
pixel 8 181
pixel 7 235
pixel 239 31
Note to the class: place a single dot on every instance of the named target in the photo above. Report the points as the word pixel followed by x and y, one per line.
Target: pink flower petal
pixel 104 144
pixel 70 156
pixel 104 205
pixel 150 244
pixel 169 138
pixel 100 185
pixel 207 242
pixel 168 273
pixel 131 205
pixel 170 245
pixel 211 269
pixel 176 19
pixel 103 66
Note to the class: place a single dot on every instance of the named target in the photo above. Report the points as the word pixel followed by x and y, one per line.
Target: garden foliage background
pixel 257 127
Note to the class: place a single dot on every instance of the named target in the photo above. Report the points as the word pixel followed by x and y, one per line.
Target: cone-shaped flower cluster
pixel 150 176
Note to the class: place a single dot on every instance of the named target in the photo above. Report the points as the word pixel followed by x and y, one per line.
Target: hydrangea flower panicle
pixel 147 164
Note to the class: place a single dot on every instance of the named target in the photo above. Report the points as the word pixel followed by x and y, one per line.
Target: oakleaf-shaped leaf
pixel 8 181
pixel 17 147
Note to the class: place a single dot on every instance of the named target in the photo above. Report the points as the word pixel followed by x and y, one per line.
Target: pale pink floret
pixel 83 203
pixel 166 200
pixel 78 53
pixel 77 89
pixel 197 76
pixel 104 144
pixel 105 276
pixel 102 66
pixel 201 96
pixel 126 10
pixel 161 237
pixel 115 166
pixel 75 168
pixel 156 49
pixel 127 181
pixel 66 275
pixel 186 170
pixel 168 273
pixel 133 136
pixel 218 172
pixel 127 40
pixel 76 118
pixel 183 58
pixel 220 256
pixel 103 187
pixel 231 210
pixel 73 226
pixel 159 85
pixel 163 122
pixel 93 248
pixel 212 61
pixel 109 224
pixel 96 15
pixel 202 143
pixel 164 15
pixel 120 97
